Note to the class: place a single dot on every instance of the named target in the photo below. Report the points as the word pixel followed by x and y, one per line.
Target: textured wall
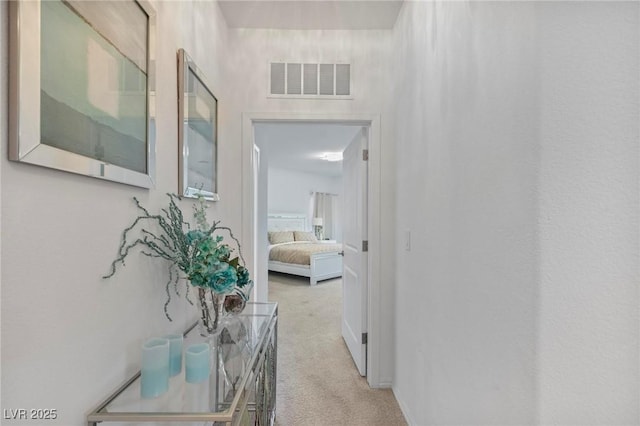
pixel 467 161
pixel 517 124
pixel 588 220
pixel 69 337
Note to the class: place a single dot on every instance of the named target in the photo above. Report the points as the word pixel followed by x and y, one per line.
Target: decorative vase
pixel 238 298
pixel 211 306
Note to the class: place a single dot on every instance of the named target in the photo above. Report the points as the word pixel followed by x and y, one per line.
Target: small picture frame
pixel 82 88
pixel 197 132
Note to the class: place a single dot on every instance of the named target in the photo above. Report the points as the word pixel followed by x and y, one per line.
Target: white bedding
pixel 300 252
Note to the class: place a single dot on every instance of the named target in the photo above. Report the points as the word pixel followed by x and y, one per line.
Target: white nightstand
pixel 327 241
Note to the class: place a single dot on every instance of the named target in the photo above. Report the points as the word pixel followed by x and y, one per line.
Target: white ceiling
pixel 311 14
pixel 295 146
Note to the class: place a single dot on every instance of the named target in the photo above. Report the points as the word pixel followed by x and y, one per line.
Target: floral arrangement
pixel 199 255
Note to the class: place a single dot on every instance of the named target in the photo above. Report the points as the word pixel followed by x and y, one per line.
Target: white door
pixel 354 273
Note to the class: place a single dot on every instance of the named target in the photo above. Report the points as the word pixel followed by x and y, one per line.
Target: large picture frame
pixel 82 87
pixel 197 132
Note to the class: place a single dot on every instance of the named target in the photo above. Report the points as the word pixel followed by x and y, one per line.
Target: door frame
pixel 375 350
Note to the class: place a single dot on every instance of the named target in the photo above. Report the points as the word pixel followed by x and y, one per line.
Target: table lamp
pixel 317 227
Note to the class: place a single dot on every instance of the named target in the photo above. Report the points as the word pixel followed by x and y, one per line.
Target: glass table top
pixel 234 352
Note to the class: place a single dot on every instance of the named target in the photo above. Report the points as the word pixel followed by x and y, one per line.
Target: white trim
pixel 403 408
pixel 375 346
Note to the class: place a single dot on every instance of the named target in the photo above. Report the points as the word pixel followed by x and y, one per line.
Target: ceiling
pixel 311 14
pixel 297 146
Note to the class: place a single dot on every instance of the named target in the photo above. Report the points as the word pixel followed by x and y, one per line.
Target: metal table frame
pixel 239 403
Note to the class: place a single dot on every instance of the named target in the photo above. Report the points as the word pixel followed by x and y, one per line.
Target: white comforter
pixel 299 253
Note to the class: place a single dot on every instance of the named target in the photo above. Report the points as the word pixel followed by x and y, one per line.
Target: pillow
pixel 304 236
pixel 279 237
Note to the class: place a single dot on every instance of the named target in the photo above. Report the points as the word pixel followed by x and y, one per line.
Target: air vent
pixel 326 79
pixel 343 79
pixel 294 79
pixel 277 79
pixel 308 80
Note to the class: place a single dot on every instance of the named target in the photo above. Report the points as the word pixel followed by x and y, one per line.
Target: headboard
pixel 286 222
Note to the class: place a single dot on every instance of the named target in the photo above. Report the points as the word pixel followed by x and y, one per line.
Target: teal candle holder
pixel 154 374
pixel 175 353
pixel 197 363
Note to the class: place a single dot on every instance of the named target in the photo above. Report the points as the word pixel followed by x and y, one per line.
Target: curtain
pixel 324 208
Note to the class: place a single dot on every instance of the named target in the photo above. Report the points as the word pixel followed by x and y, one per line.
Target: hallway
pixel 318 383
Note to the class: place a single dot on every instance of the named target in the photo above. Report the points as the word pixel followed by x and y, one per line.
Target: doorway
pixel 255 238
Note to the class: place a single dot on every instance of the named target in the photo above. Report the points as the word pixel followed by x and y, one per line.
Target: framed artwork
pixel 82 87
pixel 197 132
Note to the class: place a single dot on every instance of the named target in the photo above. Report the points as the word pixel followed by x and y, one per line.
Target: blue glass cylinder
pixel 154 380
pixel 175 353
pixel 197 363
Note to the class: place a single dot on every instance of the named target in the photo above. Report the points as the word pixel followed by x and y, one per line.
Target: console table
pixel 241 389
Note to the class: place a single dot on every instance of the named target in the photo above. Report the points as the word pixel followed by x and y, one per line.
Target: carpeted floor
pixel 318 384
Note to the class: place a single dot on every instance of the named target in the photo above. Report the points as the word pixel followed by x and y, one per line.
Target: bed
pixel 293 250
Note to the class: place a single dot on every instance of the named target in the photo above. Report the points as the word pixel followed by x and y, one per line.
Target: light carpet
pixel 318 383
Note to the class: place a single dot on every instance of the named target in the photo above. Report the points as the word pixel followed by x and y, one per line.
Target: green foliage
pixel 198 255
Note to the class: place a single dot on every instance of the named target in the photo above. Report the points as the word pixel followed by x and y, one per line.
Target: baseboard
pixel 403 408
pixel 384 385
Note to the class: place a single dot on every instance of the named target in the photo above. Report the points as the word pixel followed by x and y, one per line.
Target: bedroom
pixel 303 208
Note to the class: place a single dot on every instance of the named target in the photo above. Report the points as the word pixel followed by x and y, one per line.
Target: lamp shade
pixel 317 221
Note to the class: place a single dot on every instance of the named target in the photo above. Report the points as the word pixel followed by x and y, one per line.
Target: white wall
pixel 466 190
pixel 290 190
pixel 517 133
pixel 69 337
pixel 369 52
pixel 588 348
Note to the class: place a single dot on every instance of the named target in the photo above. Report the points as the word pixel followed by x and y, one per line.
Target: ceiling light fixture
pixel 331 156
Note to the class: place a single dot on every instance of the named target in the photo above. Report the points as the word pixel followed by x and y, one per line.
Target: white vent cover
pixel 306 80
